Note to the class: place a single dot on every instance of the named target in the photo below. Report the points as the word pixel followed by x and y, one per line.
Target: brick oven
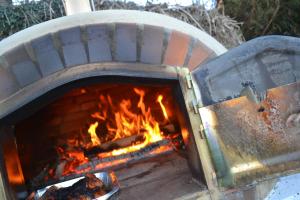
pixel 149 104
pixel 105 91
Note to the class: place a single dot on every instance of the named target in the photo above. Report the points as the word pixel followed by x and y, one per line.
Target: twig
pixel 44 5
pixel 7 19
pixel 191 17
pixel 223 28
pixel 208 20
pixel 50 9
pixel 272 18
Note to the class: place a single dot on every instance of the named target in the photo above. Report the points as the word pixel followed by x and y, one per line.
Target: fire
pixel 163 108
pixel 127 121
pixel 92 131
pixel 151 137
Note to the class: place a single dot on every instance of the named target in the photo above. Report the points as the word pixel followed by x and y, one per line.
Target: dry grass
pixel 224 29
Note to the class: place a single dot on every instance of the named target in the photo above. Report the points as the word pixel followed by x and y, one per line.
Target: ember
pixel 87 188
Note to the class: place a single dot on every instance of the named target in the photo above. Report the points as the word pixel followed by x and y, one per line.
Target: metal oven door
pixel 249 103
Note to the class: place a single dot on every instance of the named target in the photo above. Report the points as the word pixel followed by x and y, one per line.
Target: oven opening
pixel 134 128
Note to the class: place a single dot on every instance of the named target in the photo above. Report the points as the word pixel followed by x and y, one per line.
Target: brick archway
pixel 113 36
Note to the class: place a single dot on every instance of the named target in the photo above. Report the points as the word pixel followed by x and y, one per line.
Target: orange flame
pixel 159 100
pixel 113 122
pixel 92 131
pixel 127 122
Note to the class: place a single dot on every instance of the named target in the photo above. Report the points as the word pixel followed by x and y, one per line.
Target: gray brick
pixel 73 48
pixel 47 56
pixel 8 84
pixel 25 72
pixel 98 43
pixel 16 55
pixel 125 42
pixel 43 44
pixel 70 36
pixel 152 44
pixel 49 62
pixel 74 55
pixel 97 31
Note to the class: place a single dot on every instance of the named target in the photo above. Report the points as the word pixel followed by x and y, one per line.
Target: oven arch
pixel 50 49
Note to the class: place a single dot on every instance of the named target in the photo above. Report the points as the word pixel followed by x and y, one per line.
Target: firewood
pixel 49 194
pixel 109 146
pixel 31 196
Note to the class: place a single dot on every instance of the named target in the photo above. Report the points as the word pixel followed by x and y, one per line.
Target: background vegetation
pixel 230 22
pixel 14 18
pixel 265 17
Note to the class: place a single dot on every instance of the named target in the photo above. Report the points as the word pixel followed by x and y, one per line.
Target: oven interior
pixel 137 128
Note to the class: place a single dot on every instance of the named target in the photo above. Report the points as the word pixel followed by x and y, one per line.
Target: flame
pixel 159 100
pixel 14 173
pixel 114 121
pixel 151 137
pixel 127 122
pixel 92 131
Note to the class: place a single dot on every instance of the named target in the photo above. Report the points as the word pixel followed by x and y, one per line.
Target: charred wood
pixel 87 188
pixel 112 145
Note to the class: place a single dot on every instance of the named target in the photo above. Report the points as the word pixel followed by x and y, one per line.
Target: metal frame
pixel 77 6
pixel 190 97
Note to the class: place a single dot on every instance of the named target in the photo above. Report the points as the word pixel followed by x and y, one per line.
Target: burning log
pixel 119 133
pixel 87 188
pixel 112 145
pixel 105 161
pixel 165 145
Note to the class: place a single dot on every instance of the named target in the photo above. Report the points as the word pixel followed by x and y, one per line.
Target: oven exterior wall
pixel 122 43
pixel 99 37
pixel 72 50
pixel 3 182
pixel 138 70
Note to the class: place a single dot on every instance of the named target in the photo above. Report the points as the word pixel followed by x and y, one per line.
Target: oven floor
pixel 165 177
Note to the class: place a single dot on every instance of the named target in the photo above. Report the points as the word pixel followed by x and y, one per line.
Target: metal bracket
pixel 201 131
pixel 189 81
pixel 195 106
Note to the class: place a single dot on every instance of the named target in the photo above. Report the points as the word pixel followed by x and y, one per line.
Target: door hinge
pixel 189 81
pixel 201 131
pixel 195 106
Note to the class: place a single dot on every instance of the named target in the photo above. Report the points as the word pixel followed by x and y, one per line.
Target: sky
pixel 208 3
